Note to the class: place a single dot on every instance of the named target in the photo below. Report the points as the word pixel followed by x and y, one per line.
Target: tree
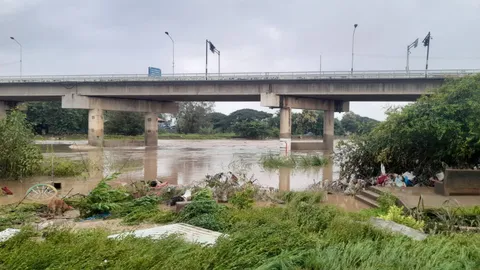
pixel 219 121
pixel 305 122
pixel 252 129
pixel 49 117
pixel 124 123
pixel 356 124
pixel 439 130
pixel 192 117
pixel 19 156
pixel 245 115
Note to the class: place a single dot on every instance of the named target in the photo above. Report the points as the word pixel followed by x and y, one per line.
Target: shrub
pixel 102 199
pixel 19 156
pixel 243 199
pixel 62 167
pixel 395 214
pixel 386 200
pixel 204 212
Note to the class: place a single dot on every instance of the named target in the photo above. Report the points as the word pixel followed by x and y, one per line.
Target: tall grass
pixel 62 167
pixel 300 236
pixel 276 161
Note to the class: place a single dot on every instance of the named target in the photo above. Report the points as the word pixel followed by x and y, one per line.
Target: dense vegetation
pixel 301 235
pixel 439 130
pixel 19 157
pixel 193 118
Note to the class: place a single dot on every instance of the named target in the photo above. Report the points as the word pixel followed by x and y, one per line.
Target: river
pixel 179 162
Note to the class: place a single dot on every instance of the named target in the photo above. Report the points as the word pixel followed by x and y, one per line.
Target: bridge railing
pixel 380 74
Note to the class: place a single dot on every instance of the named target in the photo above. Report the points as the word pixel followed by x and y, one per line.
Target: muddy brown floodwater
pixel 180 163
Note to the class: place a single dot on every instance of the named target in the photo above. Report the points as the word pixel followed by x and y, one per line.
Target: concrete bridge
pixel 327 91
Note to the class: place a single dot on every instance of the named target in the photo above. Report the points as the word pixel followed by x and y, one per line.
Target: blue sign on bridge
pixel 154 72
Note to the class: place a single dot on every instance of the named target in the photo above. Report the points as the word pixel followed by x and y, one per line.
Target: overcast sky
pixel 120 36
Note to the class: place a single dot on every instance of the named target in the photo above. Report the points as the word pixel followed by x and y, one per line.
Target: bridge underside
pixel 230 98
pixel 152 97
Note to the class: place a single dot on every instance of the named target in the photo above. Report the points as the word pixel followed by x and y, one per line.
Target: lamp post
pixel 412 45
pixel 353 45
pixel 173 52
pixel 12 38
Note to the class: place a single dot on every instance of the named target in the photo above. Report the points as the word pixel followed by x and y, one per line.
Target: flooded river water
pixel 177 162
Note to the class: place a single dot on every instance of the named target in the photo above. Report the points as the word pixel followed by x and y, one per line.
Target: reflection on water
pixel 178 162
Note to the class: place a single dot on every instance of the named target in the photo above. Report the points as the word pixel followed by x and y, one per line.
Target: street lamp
pixel 12 38
pixel 353 44
pixel 412 45
pixel 173 52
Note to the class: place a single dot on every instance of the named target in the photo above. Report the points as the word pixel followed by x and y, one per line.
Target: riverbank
pixel 161 136
pixel 302 234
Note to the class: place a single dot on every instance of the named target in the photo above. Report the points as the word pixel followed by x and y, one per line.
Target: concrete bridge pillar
pixel 151 129
pixel 286 129
pixel 328 129
pixel 95 127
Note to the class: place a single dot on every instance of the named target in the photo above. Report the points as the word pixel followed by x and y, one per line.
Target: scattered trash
pixel 354 186
pixel 7 234
pixel 399 181
pixel 440 176
pixel 7 191
pixel 188 232
pixel 187 196
pixel 98 216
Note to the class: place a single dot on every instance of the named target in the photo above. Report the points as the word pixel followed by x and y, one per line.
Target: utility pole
pixel 206 59
pixel 412 45
pixel 353 45
pixel 173 52
pixel 21 55
pixel 426 43
pixel 213 49
pixel 320 64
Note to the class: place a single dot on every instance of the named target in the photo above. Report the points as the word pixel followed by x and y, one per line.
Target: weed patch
pixel 302 162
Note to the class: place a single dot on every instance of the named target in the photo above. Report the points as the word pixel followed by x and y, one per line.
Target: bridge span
pixel 328 91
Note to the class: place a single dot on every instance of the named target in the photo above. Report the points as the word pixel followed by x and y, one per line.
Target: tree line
pixel 193 117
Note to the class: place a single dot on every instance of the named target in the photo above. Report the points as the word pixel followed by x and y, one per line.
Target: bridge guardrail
pixel 374 74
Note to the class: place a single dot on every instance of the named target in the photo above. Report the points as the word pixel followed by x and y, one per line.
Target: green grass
pixel 13 217
pixel 301 235
pixel 62 167
pixel 276 161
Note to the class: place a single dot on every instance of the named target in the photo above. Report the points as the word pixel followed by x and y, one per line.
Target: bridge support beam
pixel 286 103
pixel 151 129
pixel 74 101
pixel 97 105
pixel 286 130
pixel 277 101
pixel 95 127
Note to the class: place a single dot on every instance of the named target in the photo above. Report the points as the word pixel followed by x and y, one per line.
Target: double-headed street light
pixel 173 52
pixel 12 38
pixel 353 45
